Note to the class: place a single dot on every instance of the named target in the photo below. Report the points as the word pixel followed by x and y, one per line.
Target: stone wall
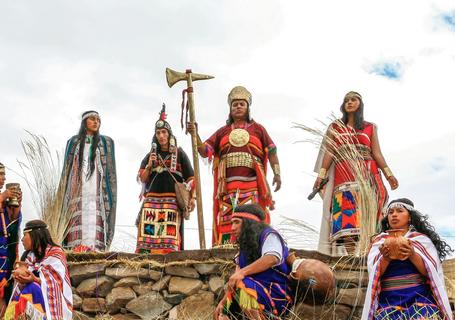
pixel 188 285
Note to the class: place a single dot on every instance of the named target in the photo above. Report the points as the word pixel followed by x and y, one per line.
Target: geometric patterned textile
pixel 160 224
pixel 225 212
pixel 345 213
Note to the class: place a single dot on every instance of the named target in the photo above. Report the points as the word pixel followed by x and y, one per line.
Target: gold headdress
pixel 239 93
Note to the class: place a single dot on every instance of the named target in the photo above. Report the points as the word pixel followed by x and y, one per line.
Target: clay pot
pixel 313 280
pixel 394 241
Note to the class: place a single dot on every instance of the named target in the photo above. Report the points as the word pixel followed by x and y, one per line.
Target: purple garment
pixel 272 285
pixel 405 293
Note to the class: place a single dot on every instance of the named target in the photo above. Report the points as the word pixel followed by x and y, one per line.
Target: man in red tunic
pixel 239 151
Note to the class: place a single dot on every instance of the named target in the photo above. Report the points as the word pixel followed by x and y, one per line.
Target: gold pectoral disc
pixel 239 137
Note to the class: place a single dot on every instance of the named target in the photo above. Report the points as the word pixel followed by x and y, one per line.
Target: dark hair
pixel 251 232
pixel 40 237
pixel 230 119
pixel 96 138
pixel 358 115
pixel 421 224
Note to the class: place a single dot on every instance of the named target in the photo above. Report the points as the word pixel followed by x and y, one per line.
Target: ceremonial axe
pixel 172 77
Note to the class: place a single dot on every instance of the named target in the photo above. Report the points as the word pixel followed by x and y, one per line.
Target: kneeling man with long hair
pixel 259 287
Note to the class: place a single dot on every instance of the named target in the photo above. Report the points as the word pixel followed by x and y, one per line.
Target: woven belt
pixel 402 282
pixel 239 159
pixel 363 151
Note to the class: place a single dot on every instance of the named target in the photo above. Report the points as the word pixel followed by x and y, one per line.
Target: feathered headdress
pixel 162 123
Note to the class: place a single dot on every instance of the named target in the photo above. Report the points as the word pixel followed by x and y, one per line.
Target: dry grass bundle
pixel 327 141
pixel 42 172
pixel 298 233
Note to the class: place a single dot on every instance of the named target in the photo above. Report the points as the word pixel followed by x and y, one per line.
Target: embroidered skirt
pixel 160 228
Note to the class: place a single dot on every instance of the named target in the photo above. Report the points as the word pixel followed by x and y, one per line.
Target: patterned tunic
pixel 9 238
pixel 239 174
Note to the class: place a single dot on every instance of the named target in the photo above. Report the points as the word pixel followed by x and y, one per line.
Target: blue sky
pixel 391 70
pixel 297 58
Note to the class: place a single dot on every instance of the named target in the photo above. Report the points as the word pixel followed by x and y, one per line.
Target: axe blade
pixel 172 76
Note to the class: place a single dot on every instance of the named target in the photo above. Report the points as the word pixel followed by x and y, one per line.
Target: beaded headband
pixel 90 114
pixel 351 94
pixel 28 229
pixel 398 204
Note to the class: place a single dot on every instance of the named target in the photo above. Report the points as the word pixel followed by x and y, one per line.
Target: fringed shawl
pixel 55 282
pixel 427 251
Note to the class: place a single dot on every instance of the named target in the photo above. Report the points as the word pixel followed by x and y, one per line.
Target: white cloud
pixel 297 58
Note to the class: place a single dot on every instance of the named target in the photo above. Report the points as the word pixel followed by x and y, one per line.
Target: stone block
pixel 127 282
pixel 351 297
pixel 197 306
pixel 143 288
pixel 94 305
pixel 95 287
pixel 80 272
pixel 186 286
pixel 123 272
pixel 77 301
pixel 149 306
pixel 161 284
pixel 216 284
pixel 351 278
pixel 182 271
pixel 207 268
pixel 173 298
pixel 118 298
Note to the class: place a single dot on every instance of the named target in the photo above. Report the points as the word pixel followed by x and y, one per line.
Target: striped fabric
pixel 55 283
pixel 402 282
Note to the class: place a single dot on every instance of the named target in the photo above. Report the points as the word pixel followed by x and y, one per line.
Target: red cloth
pixel 260 144
pixel 362 140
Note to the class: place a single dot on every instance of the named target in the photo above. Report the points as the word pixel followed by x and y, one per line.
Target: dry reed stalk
pixel 298 233
pixel 42 174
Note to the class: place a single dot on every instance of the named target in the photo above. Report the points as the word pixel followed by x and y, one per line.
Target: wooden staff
pixel 173 77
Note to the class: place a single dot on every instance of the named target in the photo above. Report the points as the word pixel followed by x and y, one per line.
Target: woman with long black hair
pixel 43 280
pixel 350 153
pixel 406 279
pixel 90 183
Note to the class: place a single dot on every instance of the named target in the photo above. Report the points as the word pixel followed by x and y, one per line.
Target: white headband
pixel 399 205
pixel 90 114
